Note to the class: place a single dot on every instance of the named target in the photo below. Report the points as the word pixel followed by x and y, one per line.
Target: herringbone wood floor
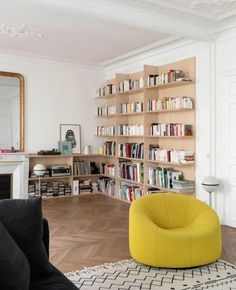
pixel 93 229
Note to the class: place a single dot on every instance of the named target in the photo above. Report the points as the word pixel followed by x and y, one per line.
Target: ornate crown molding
pixel 23 30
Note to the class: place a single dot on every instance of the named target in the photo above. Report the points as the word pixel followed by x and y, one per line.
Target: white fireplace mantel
pixel 16 164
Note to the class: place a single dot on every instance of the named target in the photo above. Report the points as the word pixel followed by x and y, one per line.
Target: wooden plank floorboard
pixel 93 229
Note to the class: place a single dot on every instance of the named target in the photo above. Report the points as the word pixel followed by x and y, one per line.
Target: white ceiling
pixel 97 31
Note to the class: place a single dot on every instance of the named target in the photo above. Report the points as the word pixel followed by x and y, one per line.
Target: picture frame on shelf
pixel 65 147
pixel 71 133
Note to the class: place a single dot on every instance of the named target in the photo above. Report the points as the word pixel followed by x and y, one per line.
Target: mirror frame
pixel 22 105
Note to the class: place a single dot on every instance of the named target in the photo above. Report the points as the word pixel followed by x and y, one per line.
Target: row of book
pixel 170 129
pixel 170 155
pixel 131 171
pixel 109 148
pixel 166 103
pixel 131 150
pixel 108 169
pixel 107 185
pixel 131 84
pixel 106 130
pixel 163 177
pixel 169 178
pixel 48 189
pixel 130 192
pixel 106 110
pixel 130 130
pixel 172 76
pixel 134 107
pixel 106 90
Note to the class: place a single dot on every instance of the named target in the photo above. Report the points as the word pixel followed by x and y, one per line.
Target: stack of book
pixel 170 129
pixel 131 150
pixel 131 171
pixel 167 155
pixel 183 185
pixel 134 107
pixel 130 130
pixel 131 84
pixel 169 104
pixel 106 130
pixel 85 186
pixel 163 177
pixel 109 148
pixel 130 192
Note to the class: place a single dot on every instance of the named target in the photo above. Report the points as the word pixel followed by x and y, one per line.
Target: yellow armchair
pixel 174 231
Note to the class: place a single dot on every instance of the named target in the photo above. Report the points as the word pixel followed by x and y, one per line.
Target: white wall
pixel 225 136
pixel 55 93
pixel 203 53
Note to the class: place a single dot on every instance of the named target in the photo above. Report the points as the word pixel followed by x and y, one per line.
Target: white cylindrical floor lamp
pixel 210 184
pixel 39 171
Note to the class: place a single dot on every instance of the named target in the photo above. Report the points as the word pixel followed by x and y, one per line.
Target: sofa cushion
pixel 14 267
pixel 55 281
pixel 23 221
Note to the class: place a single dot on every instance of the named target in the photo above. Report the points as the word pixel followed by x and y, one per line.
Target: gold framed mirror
pixel 12 91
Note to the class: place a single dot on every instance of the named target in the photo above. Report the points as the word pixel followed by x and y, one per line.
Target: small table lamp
pixel 39 171
pixel 210 184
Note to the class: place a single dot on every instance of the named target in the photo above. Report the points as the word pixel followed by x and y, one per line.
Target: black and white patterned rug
pixel 128 274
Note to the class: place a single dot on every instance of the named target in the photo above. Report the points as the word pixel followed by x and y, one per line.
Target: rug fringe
pixel 105 266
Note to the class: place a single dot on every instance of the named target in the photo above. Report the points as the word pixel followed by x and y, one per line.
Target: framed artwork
pixel 65 147
pixel 71 133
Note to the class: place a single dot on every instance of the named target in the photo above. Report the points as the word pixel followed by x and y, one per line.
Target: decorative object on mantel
pixel 19 30
pixel 39 171
pixel 128 274
pixel 71 132
pixel 87 149
pixel 210 184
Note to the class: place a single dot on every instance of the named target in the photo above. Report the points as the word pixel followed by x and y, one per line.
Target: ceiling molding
pixel 142 57
pixel 37 59
pixel 142 50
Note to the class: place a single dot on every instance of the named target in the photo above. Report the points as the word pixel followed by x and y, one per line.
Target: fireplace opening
pixel 5 186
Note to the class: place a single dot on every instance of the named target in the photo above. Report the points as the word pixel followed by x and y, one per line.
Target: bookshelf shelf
pixel 168 111
pixel 130 136
pixel 130 114
pixel 86 176
pixel 106 136
pixel 170 84
pixel 170 137
pixel 105 116
pixel 130 181
pixel 129 158
pixel 51 178
pixel 129 92
pixel 189 163
pixel 105 96
pixel 170 189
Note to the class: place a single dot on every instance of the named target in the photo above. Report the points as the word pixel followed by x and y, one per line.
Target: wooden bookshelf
pixel 146 117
